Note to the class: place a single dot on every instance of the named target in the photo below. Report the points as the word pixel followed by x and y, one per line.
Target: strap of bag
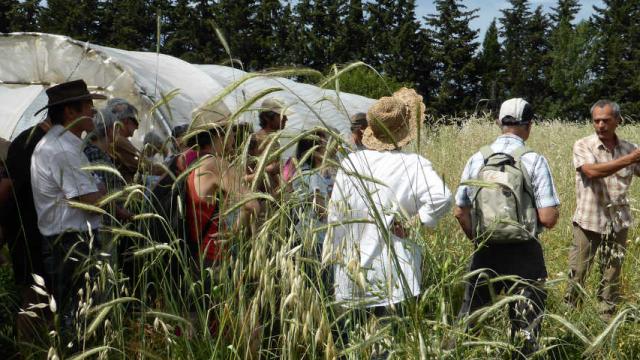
pixel 517 155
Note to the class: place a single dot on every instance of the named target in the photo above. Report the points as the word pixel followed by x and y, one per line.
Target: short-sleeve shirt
pixel 57 177
pixel 602 205
pixel 371 190
pixel 524 259
pixel 544 189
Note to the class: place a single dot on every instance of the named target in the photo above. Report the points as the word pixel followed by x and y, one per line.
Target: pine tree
pixel 353 37
pixel 537 60
pixel 566 10
pixel 28 16
pixel 75 18
pixel 235 20
pixel 572 57
pixel 381 24
pixel 264 34
pixel 8 12
pixel 490 64
pixel 180 32
pixel 455 48
pixel 515 31
pixel 617 65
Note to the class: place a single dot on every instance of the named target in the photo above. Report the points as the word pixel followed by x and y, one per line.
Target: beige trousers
pixel 612 250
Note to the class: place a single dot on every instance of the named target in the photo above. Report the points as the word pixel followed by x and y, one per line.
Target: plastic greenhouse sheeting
pixel 34 59
pixel 310 105
pixel 32 62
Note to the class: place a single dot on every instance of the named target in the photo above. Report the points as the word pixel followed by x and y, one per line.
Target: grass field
pixel 268 304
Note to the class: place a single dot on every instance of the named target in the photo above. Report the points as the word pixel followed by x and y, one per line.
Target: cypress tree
pixel 565 10
pixel 235 20
pixel 617 66
pixel 515 30
pixel 572 58
pixel 75 18
pixel 8 12
pixel 28 16
pixel 353 37
pixel 490 64
pixel 264 34
pixel 455 48
pixel 537 60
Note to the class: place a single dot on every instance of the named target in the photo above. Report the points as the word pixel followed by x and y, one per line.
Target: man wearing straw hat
pixel 377 267
pixel 57 178
pixel 518 257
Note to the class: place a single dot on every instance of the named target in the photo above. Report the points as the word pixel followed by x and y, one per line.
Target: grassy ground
pixel 266 303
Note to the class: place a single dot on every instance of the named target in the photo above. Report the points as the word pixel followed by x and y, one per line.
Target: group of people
pixel 369 205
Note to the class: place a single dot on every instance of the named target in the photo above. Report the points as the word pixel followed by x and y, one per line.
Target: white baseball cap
pixel 516 111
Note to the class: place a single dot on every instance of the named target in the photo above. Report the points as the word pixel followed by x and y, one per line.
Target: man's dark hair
pixel 56 112
pixel 265 117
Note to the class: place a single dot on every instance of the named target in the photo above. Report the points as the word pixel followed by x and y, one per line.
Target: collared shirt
pixel 601 204
pixel 57 177
pixel 371 190
pixel 544 190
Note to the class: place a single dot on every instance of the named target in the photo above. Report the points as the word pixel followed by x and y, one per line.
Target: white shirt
pixel 56 177
pixel 371 189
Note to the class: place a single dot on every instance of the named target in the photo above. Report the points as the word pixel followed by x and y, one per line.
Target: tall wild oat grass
pixel 266 298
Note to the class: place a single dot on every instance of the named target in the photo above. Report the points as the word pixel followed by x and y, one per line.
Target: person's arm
pixel 548 216
pixel 463 215
pixel 6 189
pixel 229 180
pixel 585 162
pixel 90 198
pixel 601 170
pixel 545 193
pixel 434 195
pixel 127 155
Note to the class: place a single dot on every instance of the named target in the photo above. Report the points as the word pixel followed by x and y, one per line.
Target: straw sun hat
pixel 393 120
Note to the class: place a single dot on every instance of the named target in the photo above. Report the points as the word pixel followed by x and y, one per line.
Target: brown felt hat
pixel 68 92
pixel 394 120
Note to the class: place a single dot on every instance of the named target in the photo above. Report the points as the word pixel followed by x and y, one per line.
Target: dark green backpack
pixel 503 205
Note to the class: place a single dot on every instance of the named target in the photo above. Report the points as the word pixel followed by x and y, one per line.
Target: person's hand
pixel 398 229
pixel 635 155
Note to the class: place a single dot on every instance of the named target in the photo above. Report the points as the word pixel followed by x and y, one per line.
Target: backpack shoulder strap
pixel 517 155
pixel 486 152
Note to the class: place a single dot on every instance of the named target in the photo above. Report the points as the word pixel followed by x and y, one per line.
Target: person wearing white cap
pixel 503 248
pixel 605 166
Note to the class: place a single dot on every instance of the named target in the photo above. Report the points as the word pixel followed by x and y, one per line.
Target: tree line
pixel 558 64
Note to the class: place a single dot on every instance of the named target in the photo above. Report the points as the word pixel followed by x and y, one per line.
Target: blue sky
pixel 489 9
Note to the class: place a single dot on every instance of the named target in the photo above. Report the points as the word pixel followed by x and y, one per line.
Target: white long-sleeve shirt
pixel 371 190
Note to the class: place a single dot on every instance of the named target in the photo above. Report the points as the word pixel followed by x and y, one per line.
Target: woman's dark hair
pixel 56 112
pixel 205 137
pixel 265 117
pixel 307 143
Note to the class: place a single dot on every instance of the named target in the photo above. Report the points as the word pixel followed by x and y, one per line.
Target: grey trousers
pixel 612 250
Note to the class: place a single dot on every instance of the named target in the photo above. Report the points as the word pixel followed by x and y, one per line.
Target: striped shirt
pixel 544 189
pixel 602 205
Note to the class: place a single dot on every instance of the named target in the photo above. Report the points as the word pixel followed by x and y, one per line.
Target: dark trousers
pixel 525 315
pixel 522 266
pixel 64 257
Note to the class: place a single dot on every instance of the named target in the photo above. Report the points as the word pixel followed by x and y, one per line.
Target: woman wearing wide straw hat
pixel 376 267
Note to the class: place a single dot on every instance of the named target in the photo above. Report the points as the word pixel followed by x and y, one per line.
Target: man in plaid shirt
pixel 605 165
